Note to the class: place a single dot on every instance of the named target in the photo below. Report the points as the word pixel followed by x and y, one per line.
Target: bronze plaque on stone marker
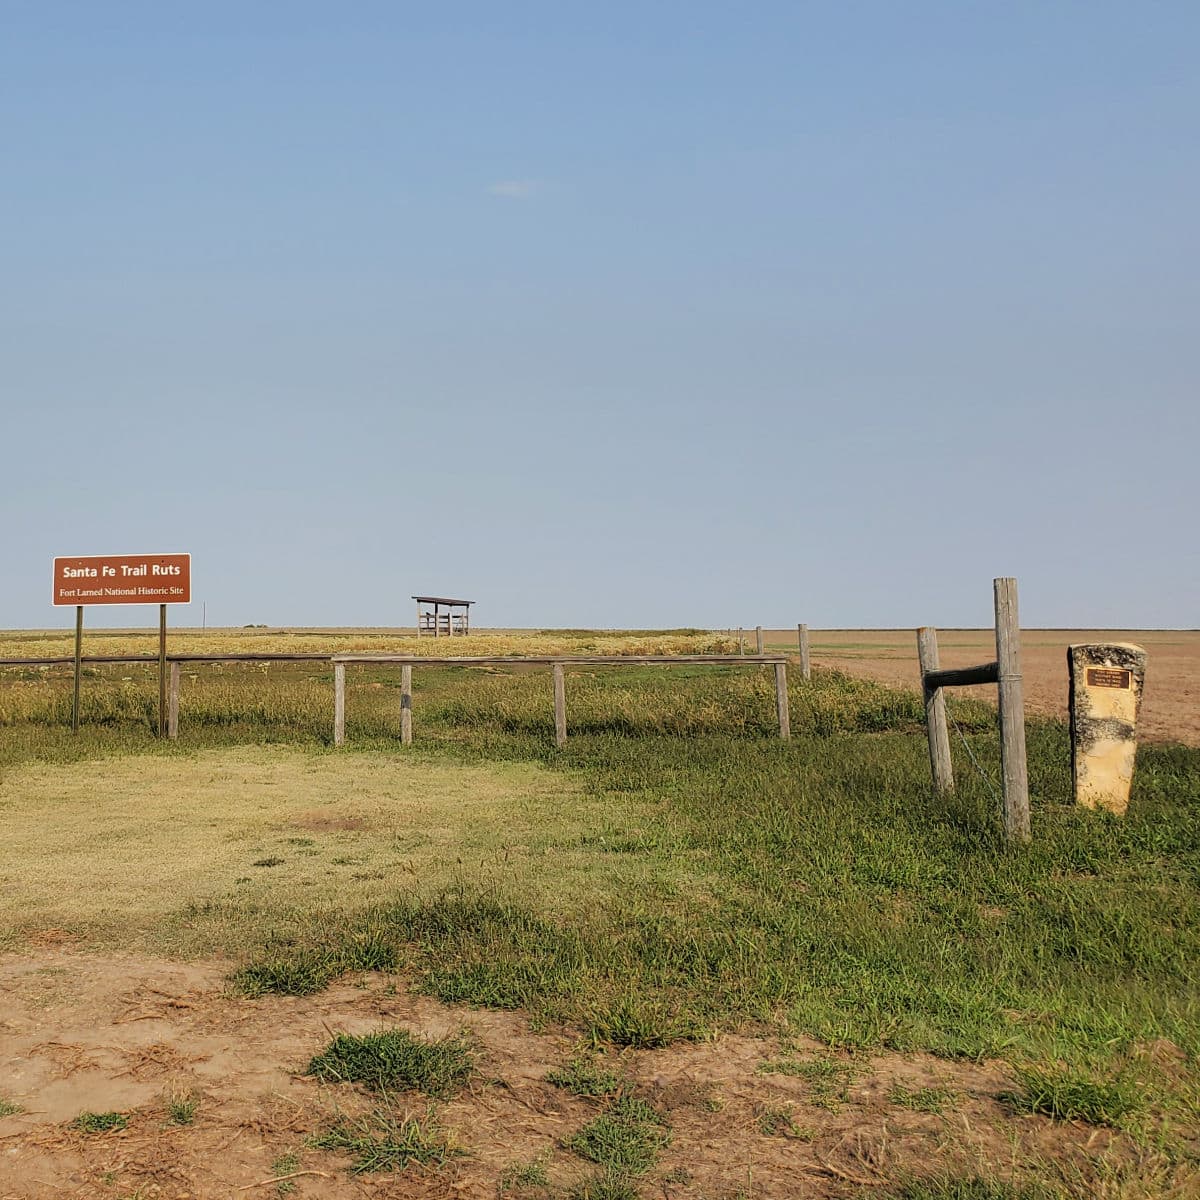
pixel 1107 677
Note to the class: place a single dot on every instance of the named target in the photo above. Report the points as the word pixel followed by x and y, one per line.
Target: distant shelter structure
pixel 454 622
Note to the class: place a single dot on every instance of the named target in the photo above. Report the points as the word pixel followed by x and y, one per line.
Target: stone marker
pixel 1106 693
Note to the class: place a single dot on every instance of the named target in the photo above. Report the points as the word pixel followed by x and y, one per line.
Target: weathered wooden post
pixel 741 640
pixel 78 667
pixel 173 704
pixel 758 641
pixel 805 659
pixel 560 705
pixel 162 671
pixel 935 713
pixel 1013 766
pixel 339 703
pixel 406 705
pixel 781 701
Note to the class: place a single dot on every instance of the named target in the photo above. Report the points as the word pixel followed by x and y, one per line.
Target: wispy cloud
pixel 515 189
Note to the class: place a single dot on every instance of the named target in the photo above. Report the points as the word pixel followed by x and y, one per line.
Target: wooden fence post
pixel 781 701
pixel 560 705
pixel 805 659
pixel 173 704
pixel 741 640
pixel 758 642
pixel 406 705
pixel 1013 767
pixel 339 703
pixel 935 713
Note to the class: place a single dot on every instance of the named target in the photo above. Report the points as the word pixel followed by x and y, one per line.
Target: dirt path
pixel 85 1033
pixel 1170 709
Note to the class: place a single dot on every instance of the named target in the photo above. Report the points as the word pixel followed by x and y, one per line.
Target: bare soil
pixel 1170 706
pixel 85 1033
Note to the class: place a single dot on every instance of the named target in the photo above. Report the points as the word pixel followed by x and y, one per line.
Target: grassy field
pixel 674 872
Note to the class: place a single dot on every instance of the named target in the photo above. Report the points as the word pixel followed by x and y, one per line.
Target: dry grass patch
pixel 235 839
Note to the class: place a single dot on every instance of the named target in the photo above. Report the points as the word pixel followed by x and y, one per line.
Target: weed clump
pixel 520 1176
pixel 625 1138
pixel 1067 1095
pixel 181 1107
pixel 395 1060
pixel 105 1122
pixel 301 975
pixel 382 1141
pixel 9 1108
pixel 970 1188
pixel 583 1076
pixel 924 1100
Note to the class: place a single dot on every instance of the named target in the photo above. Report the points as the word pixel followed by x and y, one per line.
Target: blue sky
pixel 605 315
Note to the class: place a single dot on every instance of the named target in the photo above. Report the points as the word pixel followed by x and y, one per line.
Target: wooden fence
pixel 558 663
pixel 1005 672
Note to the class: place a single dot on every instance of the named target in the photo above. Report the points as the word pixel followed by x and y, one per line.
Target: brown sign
pixel 1107 677
pixel 124 579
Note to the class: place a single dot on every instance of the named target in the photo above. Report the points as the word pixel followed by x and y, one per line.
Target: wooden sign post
pixel 124 579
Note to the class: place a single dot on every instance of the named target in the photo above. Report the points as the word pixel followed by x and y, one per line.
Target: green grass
pixel 625 1139
pixel 969 1188
pixel 384 1141
pixel 924 1099
pixel 828 1078
pixel 182 1108
pixel 521 1177
pixel 285 1164
pixel 1068 1095
pixel 583 1076
pixel 105 1122
pixel 9 1108
pixel 730 880
pixel 605 1186
pixel 778 1120
pixel 396 1060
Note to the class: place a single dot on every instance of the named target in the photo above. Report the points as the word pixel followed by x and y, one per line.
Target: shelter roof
pixel 440 600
